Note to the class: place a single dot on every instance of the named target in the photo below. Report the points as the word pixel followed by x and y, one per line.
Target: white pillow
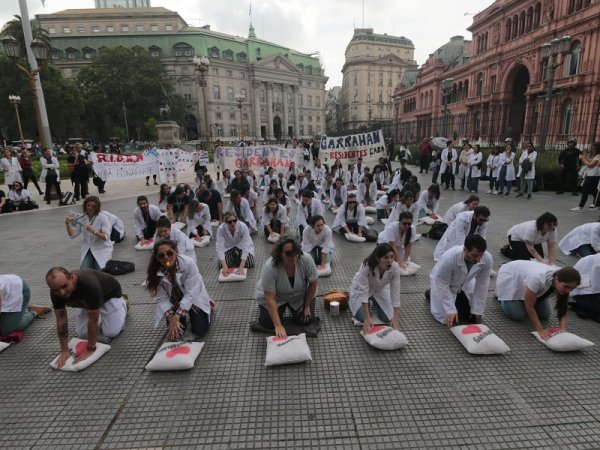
pixel 563 341
pixel 292 188
pixel 326 201
pixel 384 221
pixel 411 269
pixel 4 345
pixel 479 340
pixel 428 220
pixel 148 246
pixel 214 223
pixel 380 192
pixel 203 242
pixel 354 237
pixel 370 210
pixel 226 195
pixel 179 225
pixel 77 346
pixel 335 210
pixel 175 356
pixel 274 239
pixel 354 191
pixel 232 276
pixel 385 338
pixel 370 220
pixel 324 272
pixel 290 350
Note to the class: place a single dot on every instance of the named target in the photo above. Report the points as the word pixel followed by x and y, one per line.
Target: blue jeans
pixel 360 315
pixel 584 250
pixel 515 309
pixel 19 320
pixel 89 262
pixel 524 182
pixel 502 181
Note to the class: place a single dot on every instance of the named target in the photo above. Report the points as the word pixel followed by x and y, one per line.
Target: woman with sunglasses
pixel 400 235
pixel 178 290
pixel 235 248
pixel 288 280
pixel 351 218
pixel 164 230
pixel 97 247
pixel 377 280
pixel 317 241
pixel 300 185
pixel 274 218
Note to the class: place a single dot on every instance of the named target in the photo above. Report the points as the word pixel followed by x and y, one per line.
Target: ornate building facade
pixel 506 82
pixel 283 89
pixel 374 66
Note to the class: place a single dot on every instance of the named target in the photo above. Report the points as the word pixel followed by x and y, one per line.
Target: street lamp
pixel 447 84
pixel 549 53
pixel 15 100
pixel 125 117
pixel 240 99
pixel 202 68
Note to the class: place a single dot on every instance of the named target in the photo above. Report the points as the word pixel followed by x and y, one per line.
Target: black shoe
pixel 156 184
pixel 47 202
pixel 76 199
pixel 575 193
pixel 428 295
pixel 147 184
pixel 528 196
pixel 560 192
pixel 519 194
pixel 507 194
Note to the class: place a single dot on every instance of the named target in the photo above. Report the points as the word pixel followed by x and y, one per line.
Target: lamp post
pixel 202 68
pixel 446 89
pixel 240 99
pixel 370 114
pixel 549 52
pixel 125 117
pixel 15 100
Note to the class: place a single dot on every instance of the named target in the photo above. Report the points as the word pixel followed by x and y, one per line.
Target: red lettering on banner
pixel 101 157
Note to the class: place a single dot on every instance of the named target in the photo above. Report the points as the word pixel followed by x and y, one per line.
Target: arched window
pixel 431 97
pixel 515 26
pixel 57 54
pixel 72 53
pixel 567 117
pixel 508 30
pixel 155 51
pixel 228 55
pixel 573 60
pixel 184 49
pixel 466 88
pixel 308 69
pixel 214 53
pixel 479 90
pixel 137 50
pixel 522 23
pixel 426 99
pixel 529 20
pixel 537 13
pixel 241 57
pixel 461 94
pixel 485 41
pixel 88 53
pixel 571 8
pixel 421 104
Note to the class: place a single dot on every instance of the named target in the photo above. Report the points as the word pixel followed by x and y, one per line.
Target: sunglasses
pixel 406 223
pixel 290 253
pixel 167 254
pixel 231 221
pixel 351 202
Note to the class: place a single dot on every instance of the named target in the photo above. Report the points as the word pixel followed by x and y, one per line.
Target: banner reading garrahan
pixel 253 157
pixel 369 146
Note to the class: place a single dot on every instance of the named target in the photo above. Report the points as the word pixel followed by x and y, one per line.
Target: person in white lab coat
pixel 524 288
pixel 378 280
pixel 234 246
pixel 527 176
pixel 463 164
pixel 459 283
pixel 317 240
pixel 493 164
pixel 468 205
pixel 309 206
pixel 465 224
pixel 429 202
pixel 474 165
pixel 506 175
pixel 241 207
pixel 198 220
pixel 367 191
pixel 144 219
pixel 118 227
pixel 97 247
pixel 581 241
pixel 164 230
pixel 587 294
pixel 274 218
pixel 351 218
pixel 448 165
pixel 525 239
pixel 400 234
pixel 16 313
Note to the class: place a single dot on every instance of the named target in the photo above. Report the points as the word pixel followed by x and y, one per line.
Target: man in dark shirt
pixel 212 198
pixel 79 172
pixel 97 297
pixel 568 162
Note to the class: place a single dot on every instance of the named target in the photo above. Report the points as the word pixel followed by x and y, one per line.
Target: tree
pixel 119 78
pixel 14 28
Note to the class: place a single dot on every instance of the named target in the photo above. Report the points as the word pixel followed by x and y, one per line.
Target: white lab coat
pixel 12 293
pixel 453 158
pixel 589 269
pixel 316 208
pixel 318 173
pixel 463 160
pixel 240 239
pixel 385 290
pixel 280 214
pixel 474 160
pixel 52 165
pixel 508 161
pixel 588 233
pixel 12 170
pixel 310 240
pixel 351 178
pixel 201 217
pixel 457 232
pixel 493 164
pixel 332 194
pixel 453 211
pixel 246 213
pixel 391 233
pixel 116 223
pixel 515 276
pixel 449 276
pixel 101 249
pixel 362 191
pixel 527 232
pixel 396 182
pixel 341 219
pixel 400 207
pixel 427 203
pixel 190 282
pixel 532 157
pixel 140 223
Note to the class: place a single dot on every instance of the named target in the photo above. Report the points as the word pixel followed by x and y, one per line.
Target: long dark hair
pixel 408 234
pixel 162 196
pixel 153 280
pixel 435 190
pixel 565 275
pixel 346 205
pixel 193 209
pixel 373 259
pixel 271 200
pixel 277 253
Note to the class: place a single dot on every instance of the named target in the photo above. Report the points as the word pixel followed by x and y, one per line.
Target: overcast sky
pixel 309 26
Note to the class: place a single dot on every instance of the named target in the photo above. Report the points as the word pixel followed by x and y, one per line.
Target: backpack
pixel 437 230
pixel 115 267
pixel 402 154
pixel 526 165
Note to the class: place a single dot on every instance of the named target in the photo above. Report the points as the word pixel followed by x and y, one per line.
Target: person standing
pixel 474 169
pixel 27 173
pixel 507 170
pixel 79 172
pixel 592 177
pixel 448 165
pixel 493 169
pixel 50 174
pixel 11 168
pixel 424 156
pixel 463 164
pixel 568 162
pixel 527 170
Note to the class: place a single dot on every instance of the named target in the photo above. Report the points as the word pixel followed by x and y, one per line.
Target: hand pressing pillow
pixel 149 245
pixel 411 269
pixel 290 350
pixel 274 238
pixel 175 356
pixel 385 338
pixel 77 346
pixel 231 276
pixel 203 242
pixel 563 341
pixel 479 340
pixel 324 272
pixel 179 225
pixel 370 210
pixel 370 220
pixel 354 237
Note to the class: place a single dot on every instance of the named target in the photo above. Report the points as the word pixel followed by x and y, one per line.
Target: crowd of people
pixel 240 208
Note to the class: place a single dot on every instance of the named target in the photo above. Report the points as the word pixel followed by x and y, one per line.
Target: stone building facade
pixel 499 80
pixel 374 65
pixel 284 90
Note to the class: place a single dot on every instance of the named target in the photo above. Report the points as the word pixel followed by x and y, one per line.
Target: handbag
pixel 526 165
pixel 115 267
pixel 336 295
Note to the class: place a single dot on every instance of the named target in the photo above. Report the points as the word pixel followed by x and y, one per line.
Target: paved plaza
pixel 431 394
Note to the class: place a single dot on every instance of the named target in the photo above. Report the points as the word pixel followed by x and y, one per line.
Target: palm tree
pixel 14 28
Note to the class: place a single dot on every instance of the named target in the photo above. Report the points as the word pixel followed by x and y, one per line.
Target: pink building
pixel 496 86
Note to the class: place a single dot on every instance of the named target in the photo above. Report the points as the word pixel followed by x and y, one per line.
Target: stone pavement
pixel 431 394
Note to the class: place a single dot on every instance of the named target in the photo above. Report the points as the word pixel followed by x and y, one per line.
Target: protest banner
pixel 252 157
pixel 369 146
pixel 117 167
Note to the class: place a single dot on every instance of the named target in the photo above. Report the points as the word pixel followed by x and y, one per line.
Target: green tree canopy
pixel 121 77
pixel 14 28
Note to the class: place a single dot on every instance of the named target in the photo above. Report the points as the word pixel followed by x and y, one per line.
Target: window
pixel 88 53
pixel 310 130
pixel 232 115
pixel 216 93
pixel 261 95
pixel 318 100
pixel 213 52
pixel 184 69
pixel 232 130
pixel 218 115
pixel 242 57
pixel 301 118
pixel 479 89
pixel 154 51
pixel 153 27
pixel 183 49
pixel 243 75
pixel 572 60
pixel 56 54
pixel 568 110
pixel 215 71
pixel 52 30
pixel 355 79
pixel 110 29
pixel 537 12
pixel 289 97
pixel 230 94
pixel 125 28
pixel 139 28
pixel 245 116
pixel 229 73
pixel 219 129
pixel 228 55
pixel 244 93
pixel 309 100
pixel 310 118
pixel 95 29
pixel 71 53
pixel 301 130
pixel 168 27
pixel 188 97
pixel 81 29
pixel 66 30
pixel 300 100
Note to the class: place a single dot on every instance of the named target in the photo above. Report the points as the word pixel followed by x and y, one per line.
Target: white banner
pixel 369 146
pixel 253 157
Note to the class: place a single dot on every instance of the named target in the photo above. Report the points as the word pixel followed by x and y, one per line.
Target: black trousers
pixel 519 250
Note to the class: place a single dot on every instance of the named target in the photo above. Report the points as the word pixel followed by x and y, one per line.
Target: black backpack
pixel 437 230
pixel 115 267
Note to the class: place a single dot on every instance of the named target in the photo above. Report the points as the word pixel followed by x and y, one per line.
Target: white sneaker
pixel 495 192
pixel 489 192
pixel 577 208
pixel 592 207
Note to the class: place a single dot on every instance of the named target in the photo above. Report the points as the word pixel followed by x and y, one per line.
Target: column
pixel 256 86
pixel 285 125
pixel 296 111
pixel 270 135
